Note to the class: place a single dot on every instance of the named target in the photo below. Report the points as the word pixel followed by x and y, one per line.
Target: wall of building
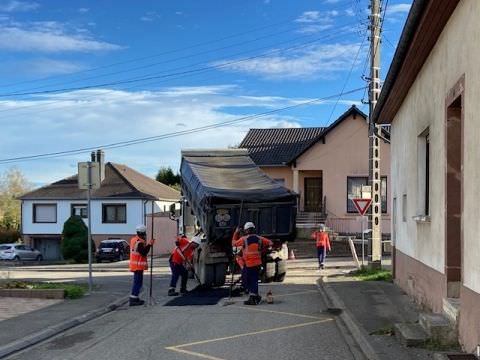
pixel 455 54
pixel 345 153
pixel 280 172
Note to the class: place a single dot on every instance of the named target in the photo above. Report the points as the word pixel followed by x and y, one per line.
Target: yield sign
pixel 362 205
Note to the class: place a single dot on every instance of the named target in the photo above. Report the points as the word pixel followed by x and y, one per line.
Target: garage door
pixel 49 247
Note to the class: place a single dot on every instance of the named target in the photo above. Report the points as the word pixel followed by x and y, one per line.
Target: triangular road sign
pixel 362 205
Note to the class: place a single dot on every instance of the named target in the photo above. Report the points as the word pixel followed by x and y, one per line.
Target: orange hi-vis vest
pixel 322 239
pixel 137 261
pixel 252 249
pixel 183 253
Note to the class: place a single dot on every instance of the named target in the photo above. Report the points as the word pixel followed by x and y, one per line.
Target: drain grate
pixel 462 357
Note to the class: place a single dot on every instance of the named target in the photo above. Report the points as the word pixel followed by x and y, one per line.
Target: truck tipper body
pixel 223 189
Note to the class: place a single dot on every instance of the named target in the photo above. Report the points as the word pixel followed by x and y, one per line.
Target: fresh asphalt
pixel 296 326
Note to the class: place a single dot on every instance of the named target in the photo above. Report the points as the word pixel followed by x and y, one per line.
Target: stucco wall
pixel 278 172
pixel 345 153
pixel 456 53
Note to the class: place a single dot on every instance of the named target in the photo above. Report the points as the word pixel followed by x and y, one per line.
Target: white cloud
pixel 349 12
pixel 318 61
pixel 43 67
pixel 83 10
pixel 145 18
pixel 398 8
pixel 331 1
pixel 94 117
pixel 150 16
pixel 48 36
pixel 14 5
pixel 316 21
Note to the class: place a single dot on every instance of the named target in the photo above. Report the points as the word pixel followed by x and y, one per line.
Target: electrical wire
pixel 166 135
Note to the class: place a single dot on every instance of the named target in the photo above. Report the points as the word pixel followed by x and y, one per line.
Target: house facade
pixel 430 97
pixel 326 166
pixel 124 200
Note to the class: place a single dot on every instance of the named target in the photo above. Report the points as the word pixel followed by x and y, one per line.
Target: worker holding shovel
pixel 180 259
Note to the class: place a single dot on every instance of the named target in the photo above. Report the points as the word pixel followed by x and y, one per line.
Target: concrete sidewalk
pixel 369 310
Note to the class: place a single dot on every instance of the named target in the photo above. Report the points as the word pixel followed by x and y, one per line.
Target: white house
pixel 123 201
pixel 431 99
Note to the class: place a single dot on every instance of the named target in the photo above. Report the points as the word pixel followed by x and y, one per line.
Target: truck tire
pixel 220 273
pixel 280 270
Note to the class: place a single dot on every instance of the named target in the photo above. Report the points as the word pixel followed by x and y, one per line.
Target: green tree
pixel 74 239
pixel 166 176
pixel 12 185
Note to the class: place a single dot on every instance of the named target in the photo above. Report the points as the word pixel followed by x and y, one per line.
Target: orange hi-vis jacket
pixel 182 253
pixel 322 239
pixel 252 247
pixel 137 260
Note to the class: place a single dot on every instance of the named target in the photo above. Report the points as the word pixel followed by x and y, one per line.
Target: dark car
pixel 113 249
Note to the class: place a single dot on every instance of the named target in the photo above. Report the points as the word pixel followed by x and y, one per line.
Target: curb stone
pixel 53 330
pixel 346 317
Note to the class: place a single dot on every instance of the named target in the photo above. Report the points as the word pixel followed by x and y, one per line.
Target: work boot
pixel 252 300
pixel 172 292
pixel 258 298
pixel 135 301
pixel 322 266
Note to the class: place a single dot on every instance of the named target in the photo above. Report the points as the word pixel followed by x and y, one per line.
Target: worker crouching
pixel 252 246
pixel 180 261
pixel 139 249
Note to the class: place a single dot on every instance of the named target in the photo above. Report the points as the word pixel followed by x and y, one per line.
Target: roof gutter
pixel 411 25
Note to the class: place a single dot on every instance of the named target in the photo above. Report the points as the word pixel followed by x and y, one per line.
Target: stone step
pixel 439 328
pixel 410 334
pixel 451 309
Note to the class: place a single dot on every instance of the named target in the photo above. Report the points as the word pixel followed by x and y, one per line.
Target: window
pixel 114 213
pixel 354 190
pixel 79 210
pixel 423 173
pixel 45 213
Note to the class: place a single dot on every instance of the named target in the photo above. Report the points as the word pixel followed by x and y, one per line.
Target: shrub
pixel 9 235
pixel 74 240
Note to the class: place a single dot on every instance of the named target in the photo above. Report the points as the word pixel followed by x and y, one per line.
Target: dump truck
pixel 223 189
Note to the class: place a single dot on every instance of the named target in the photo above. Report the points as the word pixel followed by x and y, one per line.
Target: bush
pixel 367 274
pixel 9 236
pixel 72 291
pixel 74 240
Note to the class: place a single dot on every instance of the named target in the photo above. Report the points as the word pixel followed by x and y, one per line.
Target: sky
pixel 85 74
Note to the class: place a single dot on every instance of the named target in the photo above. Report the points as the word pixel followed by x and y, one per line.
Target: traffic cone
pixel 291 256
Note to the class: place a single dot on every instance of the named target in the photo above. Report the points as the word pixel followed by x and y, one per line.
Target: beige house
pixel 325 166
pixel 431 99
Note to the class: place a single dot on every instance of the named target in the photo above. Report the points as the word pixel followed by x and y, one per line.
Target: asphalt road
pixel 296 326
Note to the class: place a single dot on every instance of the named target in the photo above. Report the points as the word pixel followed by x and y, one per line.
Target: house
pixel 326 166
pixel 431 99
pixel 123 201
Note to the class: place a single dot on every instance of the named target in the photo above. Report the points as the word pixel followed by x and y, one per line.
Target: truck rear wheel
pixel 280 270
pixel 213 274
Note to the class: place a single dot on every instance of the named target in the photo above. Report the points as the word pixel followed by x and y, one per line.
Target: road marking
pixel 193 353
pixel 282 313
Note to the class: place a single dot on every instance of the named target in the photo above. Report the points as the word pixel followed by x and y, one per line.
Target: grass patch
pixel 386 331
pixel 434 345
pixel 72 291
pixel 366 274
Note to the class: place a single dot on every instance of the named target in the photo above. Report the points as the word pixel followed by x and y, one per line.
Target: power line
pixel 166 135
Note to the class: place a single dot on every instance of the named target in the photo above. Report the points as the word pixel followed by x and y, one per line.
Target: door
pixel 49 248
pixel 313 194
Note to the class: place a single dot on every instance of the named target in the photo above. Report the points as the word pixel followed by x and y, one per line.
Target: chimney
pixel 101 160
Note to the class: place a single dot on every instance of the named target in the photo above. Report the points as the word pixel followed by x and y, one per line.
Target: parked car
pixel 19 252
pixel 113 249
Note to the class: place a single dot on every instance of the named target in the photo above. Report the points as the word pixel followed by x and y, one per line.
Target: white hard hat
pixel 141 229
pixel 249 225
pixel 322 226
pixel 196 240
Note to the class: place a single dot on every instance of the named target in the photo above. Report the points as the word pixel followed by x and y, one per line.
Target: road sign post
pixel 88 179
pixel 362 206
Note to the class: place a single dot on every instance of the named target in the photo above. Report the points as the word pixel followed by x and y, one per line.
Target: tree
pixel 12 185
pixel 74 239
pixel 166 176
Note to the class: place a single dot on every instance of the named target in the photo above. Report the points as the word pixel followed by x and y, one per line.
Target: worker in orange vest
pixel 252 246
pixel 139 249
pixel 323 245
pixel 180 260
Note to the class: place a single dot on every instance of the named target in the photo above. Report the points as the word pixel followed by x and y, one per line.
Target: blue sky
pixel 155 67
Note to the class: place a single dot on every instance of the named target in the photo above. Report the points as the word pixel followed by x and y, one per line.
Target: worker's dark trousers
pixel 252 279
pixel 178 270
pixel 244 277
pixel 137 282
pixel 321 254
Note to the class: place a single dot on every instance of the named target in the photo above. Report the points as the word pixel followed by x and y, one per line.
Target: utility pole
pixel 374 177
